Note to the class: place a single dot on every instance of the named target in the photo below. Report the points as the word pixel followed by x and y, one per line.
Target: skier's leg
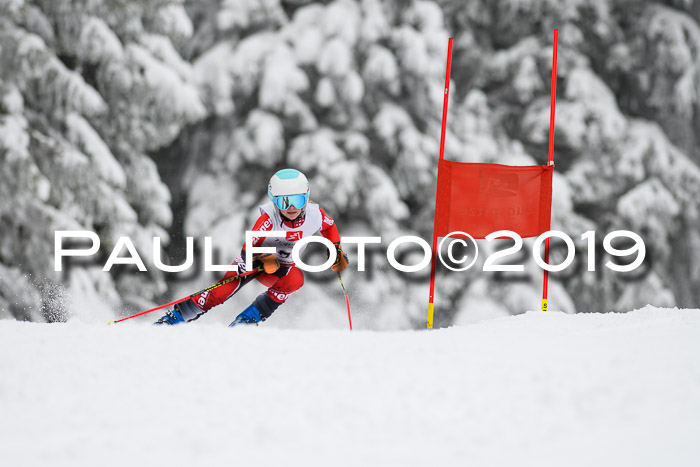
pixel 281 285
pixel 193 308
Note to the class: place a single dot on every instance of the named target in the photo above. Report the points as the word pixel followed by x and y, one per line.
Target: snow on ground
pixel 535 389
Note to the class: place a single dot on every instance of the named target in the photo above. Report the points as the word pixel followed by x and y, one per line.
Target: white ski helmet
pixel 288 187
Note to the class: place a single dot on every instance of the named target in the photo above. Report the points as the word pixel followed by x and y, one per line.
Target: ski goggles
pixel 285 202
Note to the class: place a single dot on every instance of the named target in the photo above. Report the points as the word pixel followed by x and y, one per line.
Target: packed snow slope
pixel 536 389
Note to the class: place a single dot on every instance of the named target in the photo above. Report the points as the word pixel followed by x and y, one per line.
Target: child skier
pixel 289 210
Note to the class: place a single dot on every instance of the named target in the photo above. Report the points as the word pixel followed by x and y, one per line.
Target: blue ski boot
pixel 250 315
pixel 171 317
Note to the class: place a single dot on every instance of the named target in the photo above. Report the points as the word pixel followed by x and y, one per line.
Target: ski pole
pixel 347 300
pixel 211 287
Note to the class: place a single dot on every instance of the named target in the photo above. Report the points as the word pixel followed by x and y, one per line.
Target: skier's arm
pixel 263 223
pixel 268 260
pixel 330 231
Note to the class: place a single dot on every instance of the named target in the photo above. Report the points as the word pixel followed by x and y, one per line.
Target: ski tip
pixel 110 322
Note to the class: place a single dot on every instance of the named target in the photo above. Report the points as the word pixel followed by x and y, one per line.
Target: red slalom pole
pixel 347 300
pixel 551 155
pixel 433 259
pixel 219 284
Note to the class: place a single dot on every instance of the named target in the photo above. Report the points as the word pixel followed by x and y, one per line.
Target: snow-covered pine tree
pixel 87 89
